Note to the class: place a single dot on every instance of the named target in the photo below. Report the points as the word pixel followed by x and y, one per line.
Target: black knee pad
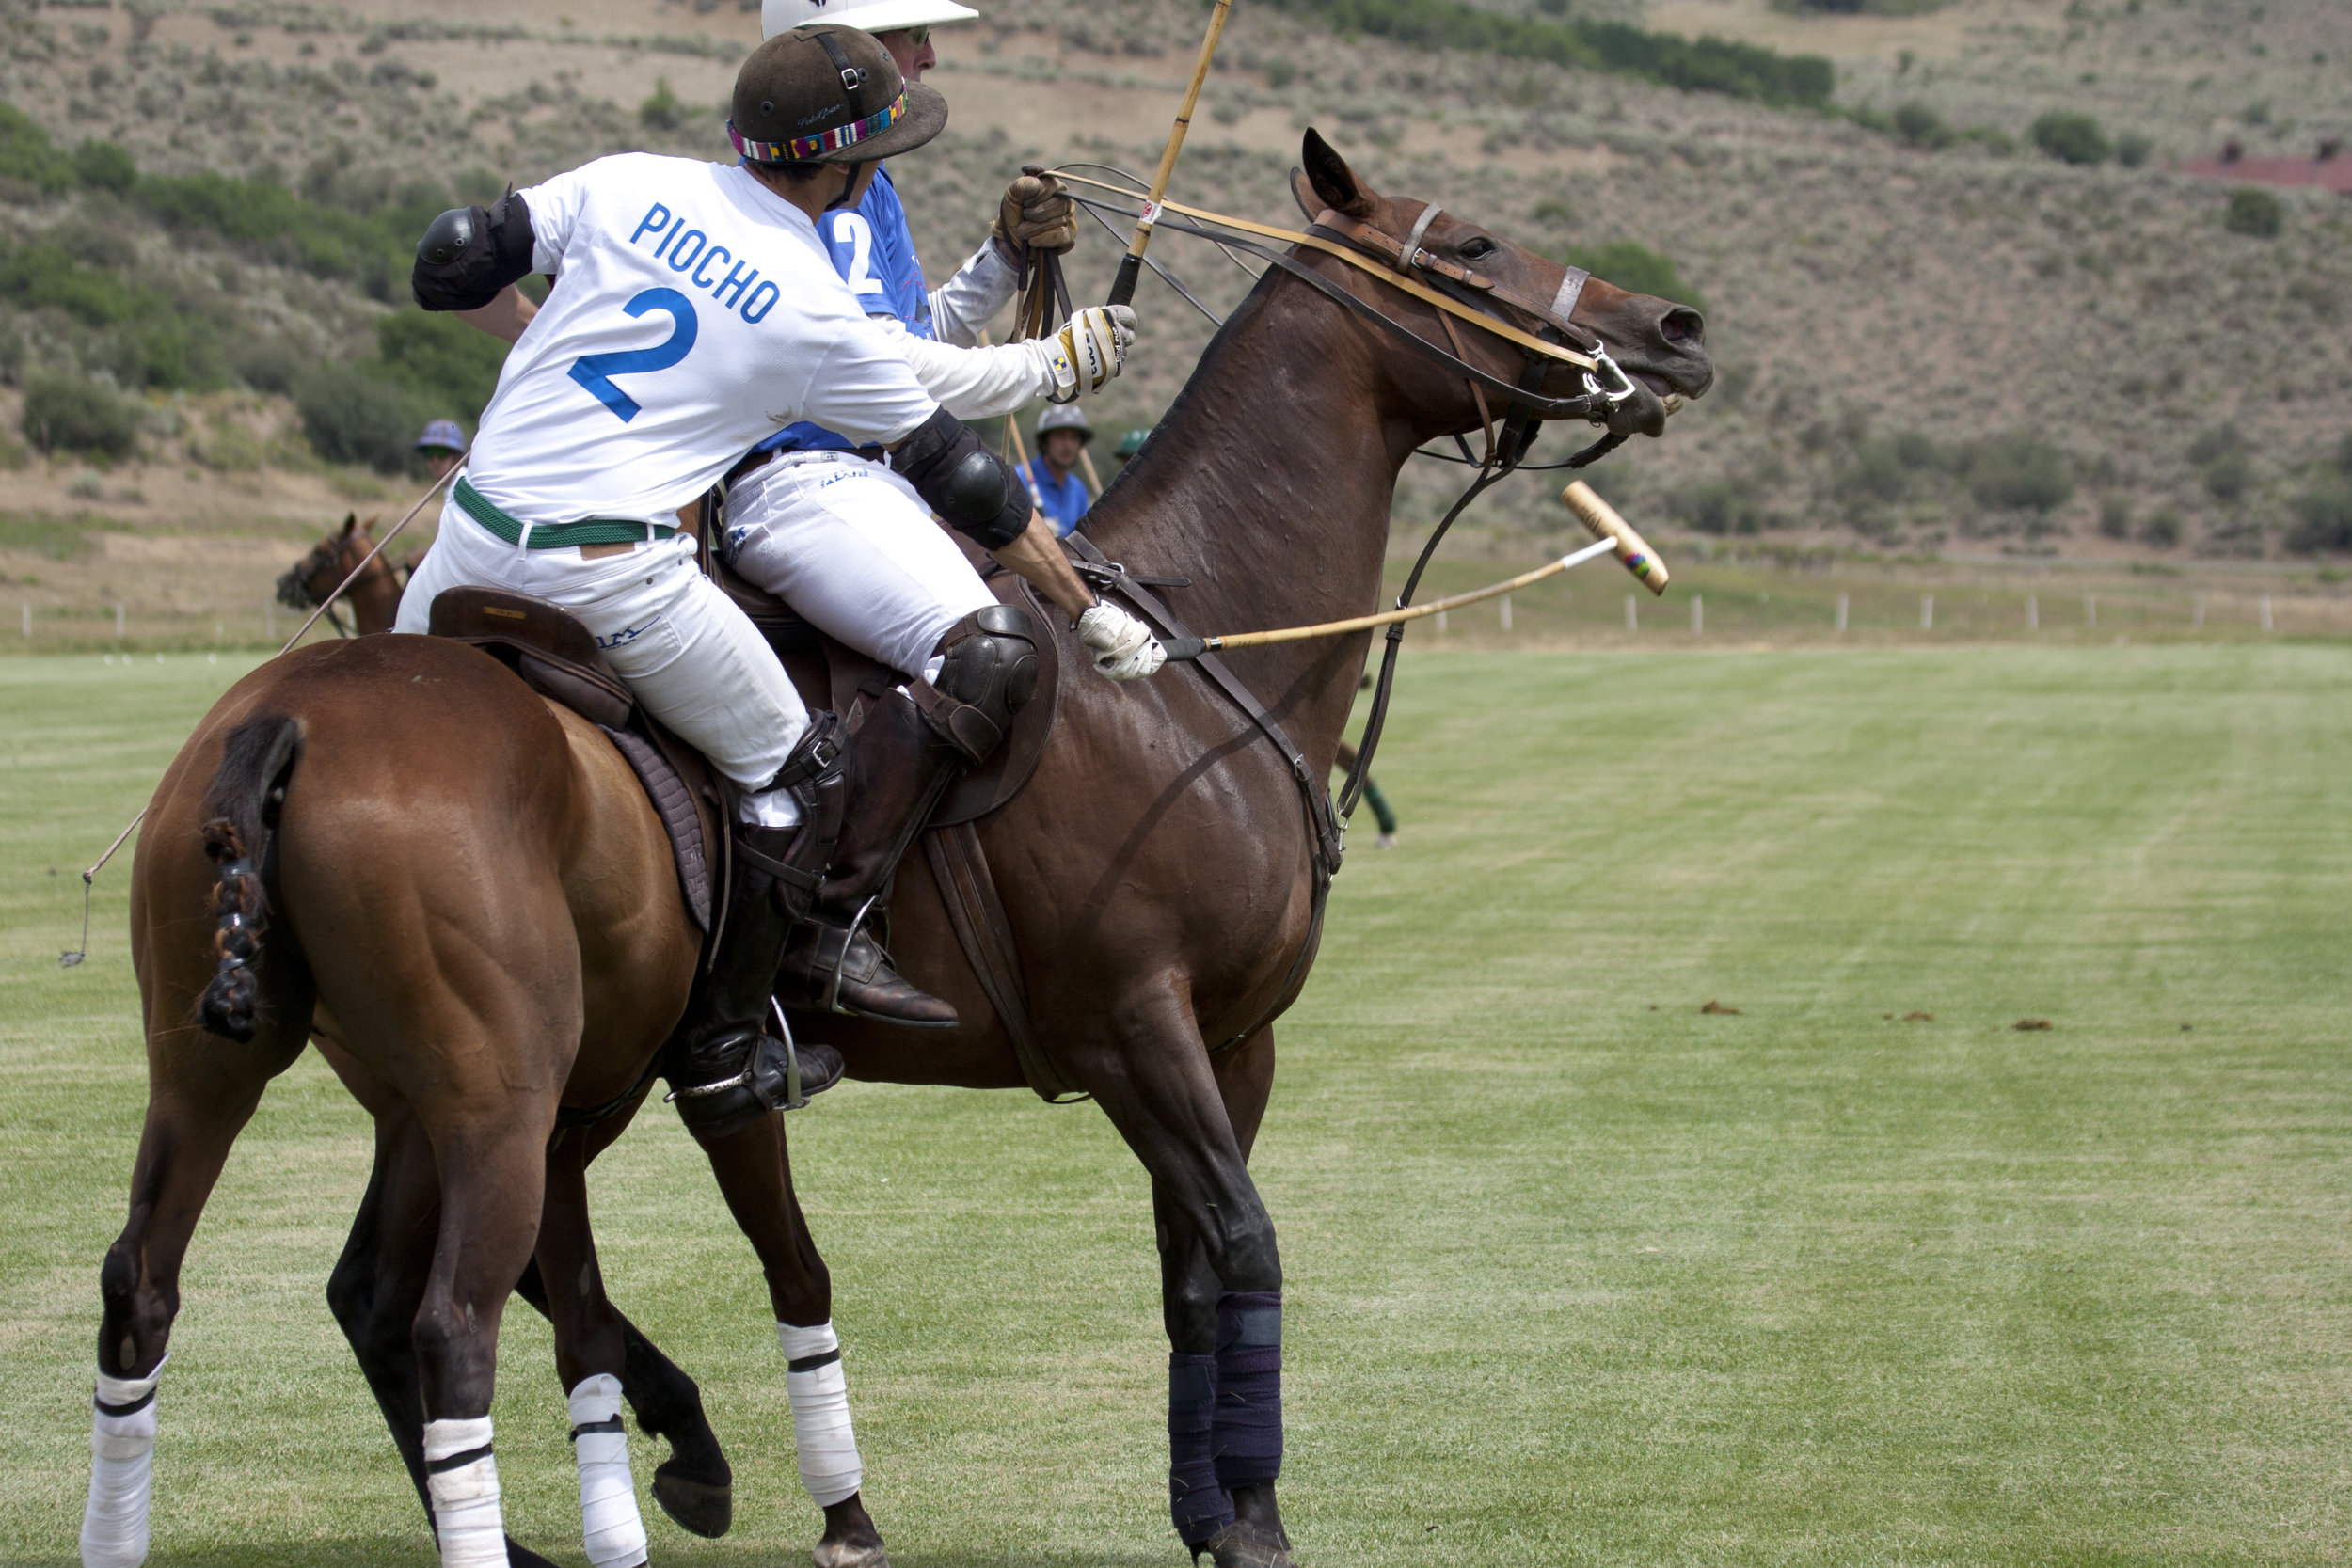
pixel 987 675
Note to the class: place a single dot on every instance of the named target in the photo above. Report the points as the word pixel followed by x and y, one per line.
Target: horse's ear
pixel 1333 182
pixel 351 520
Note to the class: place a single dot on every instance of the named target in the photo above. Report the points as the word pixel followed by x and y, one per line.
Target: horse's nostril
pixel 1683 325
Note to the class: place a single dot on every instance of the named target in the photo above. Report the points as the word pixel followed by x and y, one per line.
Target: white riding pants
pixel 851 546
pixel 693 658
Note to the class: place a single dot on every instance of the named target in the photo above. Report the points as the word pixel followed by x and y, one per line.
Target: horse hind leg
pixel 695 1485
pixel 379 1282
pixel 203 1085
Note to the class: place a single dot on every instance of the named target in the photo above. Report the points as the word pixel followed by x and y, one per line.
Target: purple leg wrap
pixel 1249 1430
pixel 1195 1500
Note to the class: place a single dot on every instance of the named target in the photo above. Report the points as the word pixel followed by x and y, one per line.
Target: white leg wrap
pixel 465 1495
pixel 830 1467
pixel 121 1471
pixel 609 1521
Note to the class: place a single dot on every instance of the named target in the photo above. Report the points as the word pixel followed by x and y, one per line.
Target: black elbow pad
pixel 470 253
pixel 963 481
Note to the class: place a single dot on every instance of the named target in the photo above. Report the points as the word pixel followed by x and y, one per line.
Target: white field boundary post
pixel 2091 610
pixel 1632 618
pixel 1698 616
pixel 1926 612
pixel 2265 613
pixel 1441 623
pixel 1842 614
pixel 2033 612
pixel 2197 615
pixel 29 618
pixel 1506 613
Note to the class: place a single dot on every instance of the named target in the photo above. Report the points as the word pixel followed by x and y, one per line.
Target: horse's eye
pixel 1471 249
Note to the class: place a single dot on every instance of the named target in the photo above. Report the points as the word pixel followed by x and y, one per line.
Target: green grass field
pixel 1578 1273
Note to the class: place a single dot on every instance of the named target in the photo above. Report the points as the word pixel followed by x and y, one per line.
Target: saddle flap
pixel 542 643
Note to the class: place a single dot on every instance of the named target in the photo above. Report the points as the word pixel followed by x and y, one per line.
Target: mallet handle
pixel 1602 519
pixel 1131 266
pixel 1193 647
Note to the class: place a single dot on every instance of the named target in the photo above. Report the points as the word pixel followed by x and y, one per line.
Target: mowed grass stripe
pixel 1577 1274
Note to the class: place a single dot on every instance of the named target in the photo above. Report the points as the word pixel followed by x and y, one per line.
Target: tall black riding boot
pixel 902 759
pixel 726 1070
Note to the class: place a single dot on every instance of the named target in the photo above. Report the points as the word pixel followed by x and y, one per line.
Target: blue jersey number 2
pixel 595 371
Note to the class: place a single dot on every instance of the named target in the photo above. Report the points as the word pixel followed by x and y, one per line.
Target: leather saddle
pixel 554 655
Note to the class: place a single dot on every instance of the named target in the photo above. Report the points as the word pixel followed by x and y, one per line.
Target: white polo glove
pixel 1125 648
pixel 1089 350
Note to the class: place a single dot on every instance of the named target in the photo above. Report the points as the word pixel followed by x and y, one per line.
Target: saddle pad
pixel 673 802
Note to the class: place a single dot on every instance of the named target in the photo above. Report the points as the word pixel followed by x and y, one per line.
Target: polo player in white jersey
pixel 810 499
pixel 698 312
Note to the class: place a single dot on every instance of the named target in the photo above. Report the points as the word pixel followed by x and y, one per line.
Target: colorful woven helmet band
pixel 802 147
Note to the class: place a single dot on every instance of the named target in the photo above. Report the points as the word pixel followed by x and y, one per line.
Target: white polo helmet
pixel 1064 415
pixel 869 16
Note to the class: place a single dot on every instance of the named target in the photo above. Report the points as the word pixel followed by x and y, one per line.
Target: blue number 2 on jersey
pixel 595 371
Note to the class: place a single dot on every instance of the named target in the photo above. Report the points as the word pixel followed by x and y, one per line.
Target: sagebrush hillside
pixel 1937 333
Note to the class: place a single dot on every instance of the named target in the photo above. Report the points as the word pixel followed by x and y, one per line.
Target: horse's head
pixel 330 560
pixel 1659 344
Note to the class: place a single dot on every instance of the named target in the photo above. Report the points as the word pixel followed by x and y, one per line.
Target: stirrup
pixel 778 1074
pixel 822 969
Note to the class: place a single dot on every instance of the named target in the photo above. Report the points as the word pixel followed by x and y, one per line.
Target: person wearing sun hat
pixel 443 446
pixel 1062 433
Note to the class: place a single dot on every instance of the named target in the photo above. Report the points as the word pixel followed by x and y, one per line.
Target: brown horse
pixel 490 942
pixel 372 601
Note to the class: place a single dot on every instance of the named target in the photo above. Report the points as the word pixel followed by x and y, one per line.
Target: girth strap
pixel 1322 823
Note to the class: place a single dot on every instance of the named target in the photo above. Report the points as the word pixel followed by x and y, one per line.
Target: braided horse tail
pixel 240 811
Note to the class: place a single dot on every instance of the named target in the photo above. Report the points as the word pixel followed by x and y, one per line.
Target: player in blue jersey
pixel 821 519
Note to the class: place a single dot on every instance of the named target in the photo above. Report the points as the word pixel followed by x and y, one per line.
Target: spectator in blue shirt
pixel 1062 433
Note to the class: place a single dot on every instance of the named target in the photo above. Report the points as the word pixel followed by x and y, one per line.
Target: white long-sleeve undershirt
pixel 969 381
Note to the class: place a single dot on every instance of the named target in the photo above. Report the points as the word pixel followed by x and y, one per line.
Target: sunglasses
pixel 917 36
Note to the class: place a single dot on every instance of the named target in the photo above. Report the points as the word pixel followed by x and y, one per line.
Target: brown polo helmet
pixel 828 94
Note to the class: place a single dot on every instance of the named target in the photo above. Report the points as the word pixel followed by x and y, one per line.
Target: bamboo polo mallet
pixel 1131 268
pixel 1611 536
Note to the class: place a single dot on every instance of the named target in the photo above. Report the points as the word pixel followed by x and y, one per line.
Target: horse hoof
pixel 1243 1545
pixel 521 1556
pixel 846 1553
pixel 695 1507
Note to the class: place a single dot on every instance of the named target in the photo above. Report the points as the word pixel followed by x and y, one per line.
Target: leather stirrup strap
pixel 967 889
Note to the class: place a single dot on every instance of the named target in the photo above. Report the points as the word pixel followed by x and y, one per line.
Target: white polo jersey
pixel 695 314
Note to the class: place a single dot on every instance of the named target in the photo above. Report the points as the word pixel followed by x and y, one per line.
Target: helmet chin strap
pixel 842 201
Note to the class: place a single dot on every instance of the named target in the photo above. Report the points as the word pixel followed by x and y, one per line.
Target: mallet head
pixel 1632 550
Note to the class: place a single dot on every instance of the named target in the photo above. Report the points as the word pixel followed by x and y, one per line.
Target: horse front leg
pixel 1190 1123
pixel 754 1174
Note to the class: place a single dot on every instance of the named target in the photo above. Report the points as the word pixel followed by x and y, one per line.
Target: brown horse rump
pixel 556 656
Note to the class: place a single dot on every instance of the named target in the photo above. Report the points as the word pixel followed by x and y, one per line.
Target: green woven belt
pixel 557 536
